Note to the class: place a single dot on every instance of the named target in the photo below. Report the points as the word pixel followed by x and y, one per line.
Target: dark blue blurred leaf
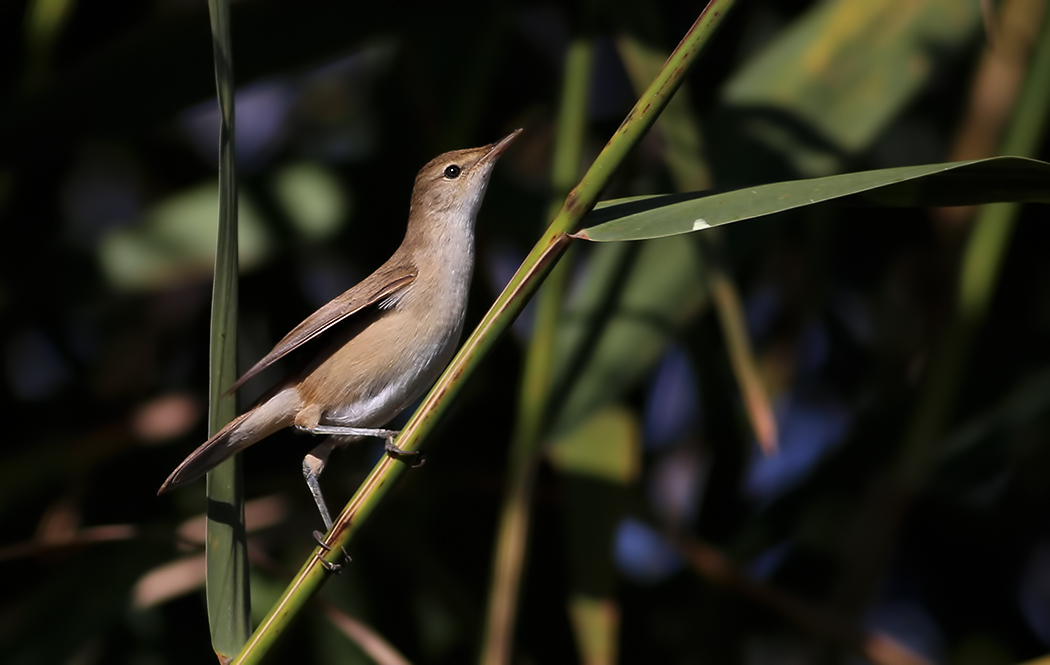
pixel 643 555
pixel 809 430
pixel 672 406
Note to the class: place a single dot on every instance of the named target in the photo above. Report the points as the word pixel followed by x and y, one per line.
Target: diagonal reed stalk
pixel 229 602
pixel 508 305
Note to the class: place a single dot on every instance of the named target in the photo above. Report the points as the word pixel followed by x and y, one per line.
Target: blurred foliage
pixel 845 70
pixel 108 145
pixel 175 242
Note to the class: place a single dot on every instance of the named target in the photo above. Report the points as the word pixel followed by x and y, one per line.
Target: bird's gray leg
pixel 339 430
pixel 386 434
pixel 313 465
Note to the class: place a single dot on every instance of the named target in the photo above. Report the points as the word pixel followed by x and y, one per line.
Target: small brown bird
pixel 378 346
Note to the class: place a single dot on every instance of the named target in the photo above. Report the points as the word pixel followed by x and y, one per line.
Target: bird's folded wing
pixel 383 283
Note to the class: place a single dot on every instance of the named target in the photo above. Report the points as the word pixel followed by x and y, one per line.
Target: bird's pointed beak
pixel 497 148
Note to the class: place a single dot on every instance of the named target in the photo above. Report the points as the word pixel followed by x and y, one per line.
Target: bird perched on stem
pixel 374 349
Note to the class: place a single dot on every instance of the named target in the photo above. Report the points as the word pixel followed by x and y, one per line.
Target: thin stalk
pixel 741 355
pixel 982 261
pixel 229 601
pixel 513 534
pixel 508 305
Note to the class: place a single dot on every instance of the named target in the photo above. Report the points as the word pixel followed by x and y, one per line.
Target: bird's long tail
pixel 274 414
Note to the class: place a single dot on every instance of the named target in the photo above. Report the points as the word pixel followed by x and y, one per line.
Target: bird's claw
pixel 328 565
pixel 405 455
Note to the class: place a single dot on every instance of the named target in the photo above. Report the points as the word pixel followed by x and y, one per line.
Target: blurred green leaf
pixel 633 299
pixel 954 183
pixel 844 70
pixel 596 624
pixel 607 445
pixel 44 22
pixel 312 198
pixel 598 463
pixel 175 242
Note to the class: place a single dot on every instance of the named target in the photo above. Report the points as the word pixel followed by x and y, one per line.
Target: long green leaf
pixel 991 180
pixel 229 602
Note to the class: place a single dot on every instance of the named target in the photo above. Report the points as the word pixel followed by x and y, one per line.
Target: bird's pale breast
pixel 394 358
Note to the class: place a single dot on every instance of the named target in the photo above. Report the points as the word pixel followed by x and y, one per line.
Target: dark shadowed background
pixel 108 153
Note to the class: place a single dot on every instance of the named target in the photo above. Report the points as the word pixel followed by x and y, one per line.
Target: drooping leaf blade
pixel 996 179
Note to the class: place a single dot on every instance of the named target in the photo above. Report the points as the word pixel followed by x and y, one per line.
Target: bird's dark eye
pixel 452 171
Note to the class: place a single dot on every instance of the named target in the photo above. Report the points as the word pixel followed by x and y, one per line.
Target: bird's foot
pixel 328 565
pixel 417 458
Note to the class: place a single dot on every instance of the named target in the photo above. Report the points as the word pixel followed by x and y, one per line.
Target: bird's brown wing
pixel 385 282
